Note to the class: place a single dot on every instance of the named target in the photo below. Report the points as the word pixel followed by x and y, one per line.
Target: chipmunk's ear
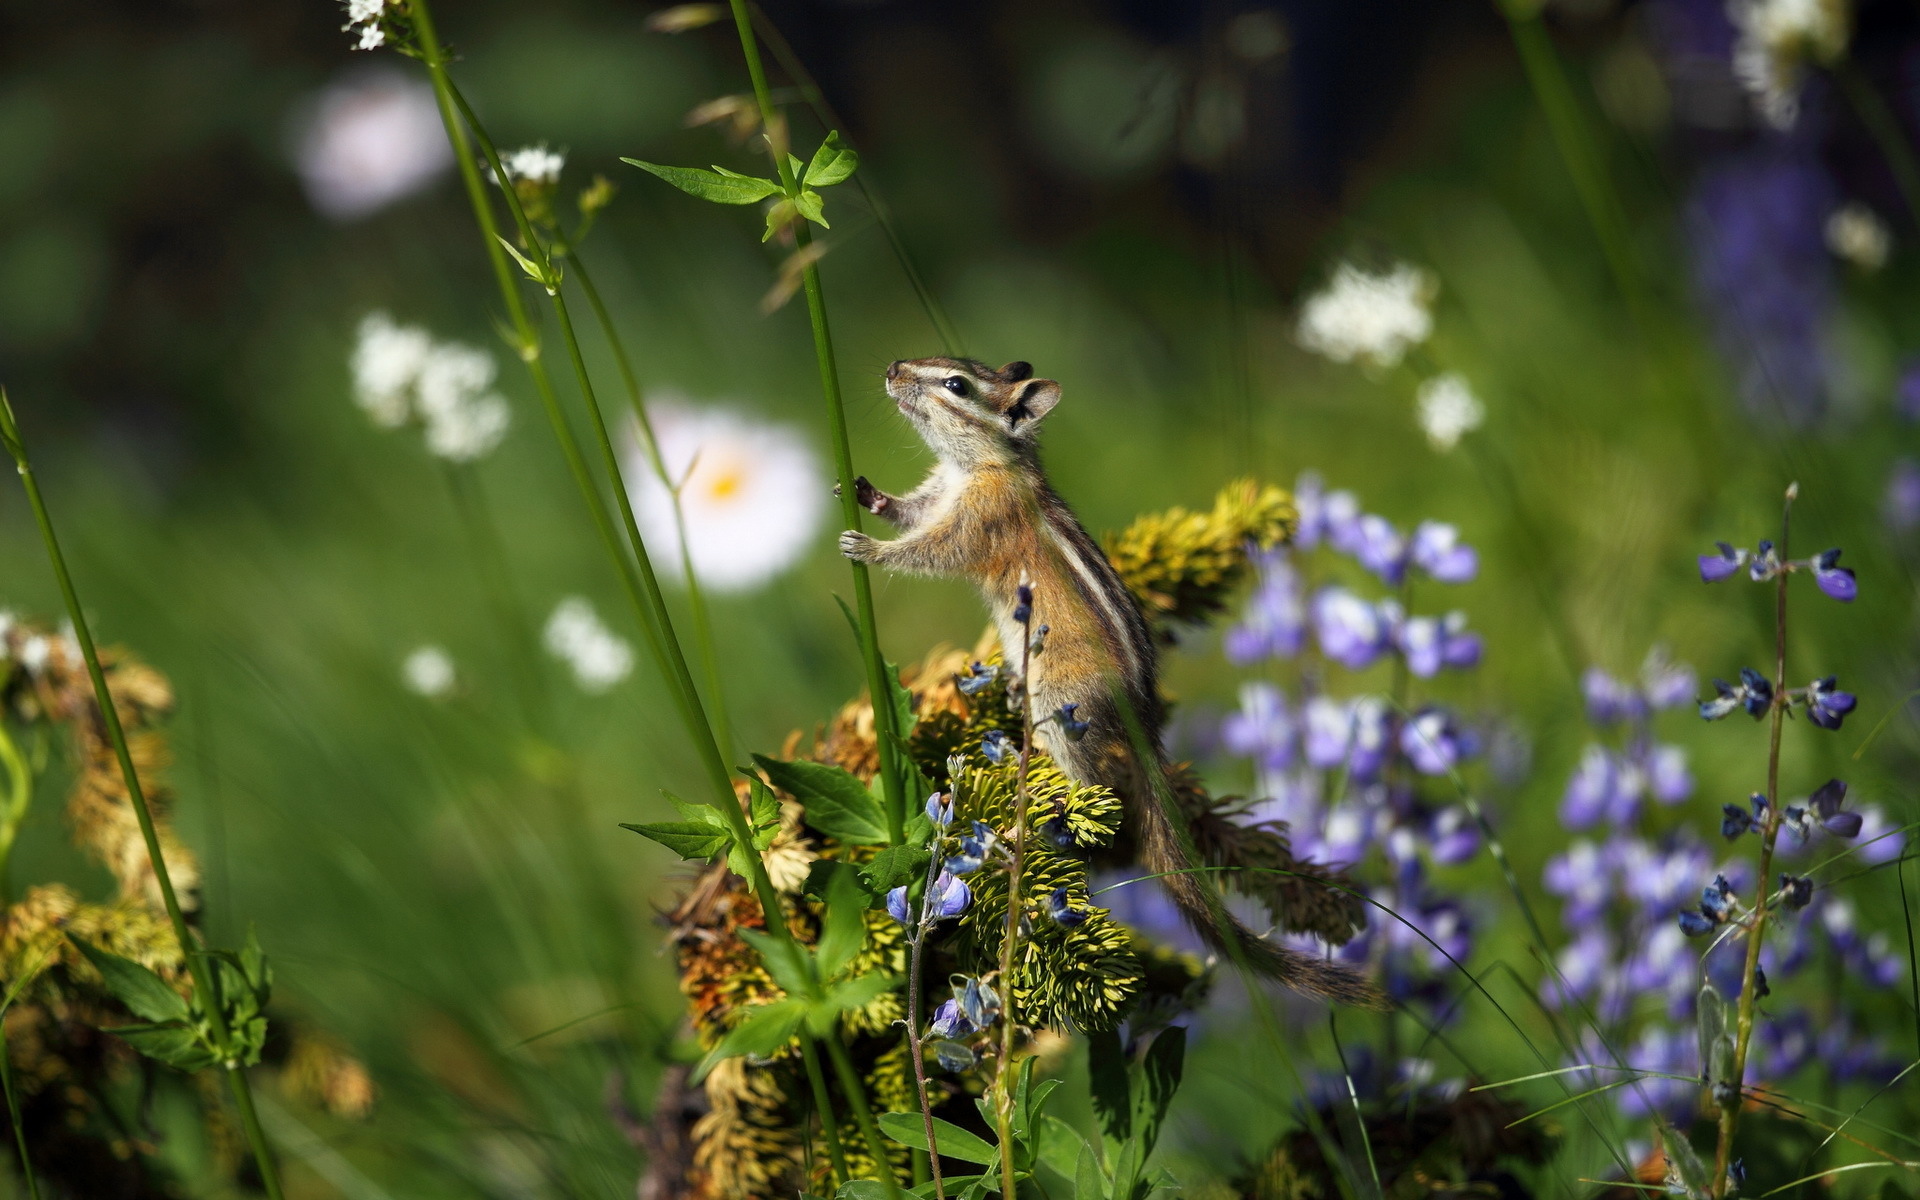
pixel 1014 372
pixel 1033 401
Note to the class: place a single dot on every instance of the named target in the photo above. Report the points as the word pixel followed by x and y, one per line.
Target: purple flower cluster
pixel 1611 781
pixel 1346 773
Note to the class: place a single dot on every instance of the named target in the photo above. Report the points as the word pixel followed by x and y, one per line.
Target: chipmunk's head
pixel 966 410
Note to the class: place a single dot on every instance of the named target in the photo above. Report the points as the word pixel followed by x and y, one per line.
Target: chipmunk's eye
pixel 956 384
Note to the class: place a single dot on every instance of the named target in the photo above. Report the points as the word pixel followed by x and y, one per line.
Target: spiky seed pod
pixel 1181 566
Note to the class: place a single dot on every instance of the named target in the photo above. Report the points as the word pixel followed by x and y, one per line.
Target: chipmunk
pixel 986 513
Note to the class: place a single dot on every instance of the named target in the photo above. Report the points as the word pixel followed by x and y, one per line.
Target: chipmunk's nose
pixel 893 369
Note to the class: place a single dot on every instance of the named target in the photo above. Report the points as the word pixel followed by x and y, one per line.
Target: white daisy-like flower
pixel 752 492
pixel 1857 234
pixel 1776 39
pixel 367 140
pixel 576 636
pixel 1373 317
pixel 535 164
pixel 401 374
pixel 1447 410
pixel 428 671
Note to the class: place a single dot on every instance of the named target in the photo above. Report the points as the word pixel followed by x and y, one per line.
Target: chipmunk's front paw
pixel 858 546
pixel 870 497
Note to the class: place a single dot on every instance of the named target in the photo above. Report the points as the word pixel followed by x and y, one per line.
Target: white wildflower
pixel 363 18
pixel 535 164
pixel 367 140
pixel 752 492
pixel 1776 39
pixel 1857 234
pixel 400 374
pixel 1447 409
pixel 387 360
pixel 35 649
pixel 599 657
pixel 1372 317
pixel 429 671
pixel 469 432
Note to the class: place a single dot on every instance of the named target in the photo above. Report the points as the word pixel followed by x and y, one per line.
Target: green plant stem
pixel 18 801
pixel 856 1090
pixel 1730 1108
pixel 829 1127
pixel 696 594
pixel 197 965
pixel 885 731
pixel 916 960
pixel 13 1115
pixel 1884 127
pixel 1003 1107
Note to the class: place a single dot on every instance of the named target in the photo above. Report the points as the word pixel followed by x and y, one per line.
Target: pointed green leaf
pixel 820 876
pixel 688 839
pixel 1060 1145
pixel 763 812
pixel 1088 1183
pixel 909 1129
pixel 145 994
pixel 896 866
pixel 763 1034
pixel 533 271
pixel 844 929
pixel 175 1043
pixel 782 960
pixel 780 214
pixel 838 805
pixel 1126 1169
pixel 721 187
pixel 1031 1103
pixel 812 207
pixel 832 163
pixel 846 996
pixel 254 966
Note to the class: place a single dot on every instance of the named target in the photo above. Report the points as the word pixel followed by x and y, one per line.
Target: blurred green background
pixel 1134 197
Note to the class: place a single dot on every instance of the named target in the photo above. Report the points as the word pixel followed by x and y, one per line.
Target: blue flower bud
pixel 1023 604
pixel 1061 909
pixel 978 677
pixel 1764 565
pixel 996 746
pixel 1834 580
pixel 1075 730
pixel 940 809
pixel 949 1021
pixel 1715 567
pixel 1734 821
pixel 1827 706
pixel 1716 899
pixel 1796 891
pixel 979 1003
pixel 949 897
pixel 1693 924
pixel 897 905
pixel 1757 693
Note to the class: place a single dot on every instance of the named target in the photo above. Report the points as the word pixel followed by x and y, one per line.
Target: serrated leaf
pixel 832 163
pixel 901 695
pixel 782 959
pixel 688 839
pixel 1088 1182
pixel 820 874
pixel 844 930
pixel 762 1035
pixel 896 866
pixel 812 207
pixel 1110 1089
pixel 175 1043
pixel 1158 1080
pixel 715 185
pixel 909 1129
pixel 846 996
pixel 837 804
pixel 145 994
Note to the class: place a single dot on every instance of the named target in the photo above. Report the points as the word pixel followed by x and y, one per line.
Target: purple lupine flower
pixel 1835 580
pixel 1716 567
pixel 1659 879
pixel 974 849
pixel 1432 743
pixel 1264 729
pixel 1609 700
pixel 1734 821
pixel 1826 805
pixel 1694 923
pixel 1765 563
pixel 1328 732
pixel 979 1003
pixel 1666 684
pixel 1667 776
pixel 1349 629
pixel 1716 900
pixel 1584 965
pixel 949 1021
pixel 1583 878
pixel 940 809
pixel 1072 727
pixel 1754 694
pixel 978 676
pixel 1381 548
pixel 1796 891
pixel 897 906
pixel 1664 1051
pixel 1438 550
pixel 996 746
pixel 1340 521
pixel 1421 643
pixel 1023 603
pixel 1590 793
pixel 1346 833
pixel 1370 745
pixel 1061 908
pixel 1879 839
pixel 1786 1043
pixel 1900 505
pixel 1309 502
pixel 1827 706
pixel 1452 837
pixel 1274 624
pixel 1459 648
pixel 948 897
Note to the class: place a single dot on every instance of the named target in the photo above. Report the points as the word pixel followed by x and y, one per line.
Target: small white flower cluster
pixel 1447 410
pixel 1856 234
pixel 35 651
pixel 576 636
pixel 363 18
pixel 1373 317
pixel 534 164
pixel 1776 39
pixel 429 672
pixel 400 373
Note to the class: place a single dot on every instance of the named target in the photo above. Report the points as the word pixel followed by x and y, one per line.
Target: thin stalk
pixel 19 800
pixel 636 571
pixel 197 965
pixel 1003 1108
pixel 696 594
pixel 13 1114
pixel 829 1126
pixel 915 971
pixel 855 1088
pixel 1730 1108
pixel 885 733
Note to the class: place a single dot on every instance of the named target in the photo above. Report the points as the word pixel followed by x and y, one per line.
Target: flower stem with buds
pixel 917 943
pixel 1003 1108
pixel 197 960
pixel 1769 833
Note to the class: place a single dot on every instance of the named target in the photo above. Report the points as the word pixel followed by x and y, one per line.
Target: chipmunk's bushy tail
pixel 1162 851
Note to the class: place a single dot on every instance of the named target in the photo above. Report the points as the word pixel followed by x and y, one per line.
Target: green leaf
pixel 254 966
pixel 832 163
pixel 1111 1091
pixel 909 1129
pixel 862 1189
pixel 812 208
pixel 896 866
pixel 838 805
pixel 1060 1145
pixel 844 930
pixel 688 839
pixel 145 994
pixel 175 1043
pixel 717 185
pixel 1126 1169
pixel 846 996
pixel 780 214
pixel 904 718
pixel 820 880
pixel 1030 1105
pixel 763 812
pixel 1159 1079
pixel 762 1035
pixel 1088 1183
pixel 784 961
